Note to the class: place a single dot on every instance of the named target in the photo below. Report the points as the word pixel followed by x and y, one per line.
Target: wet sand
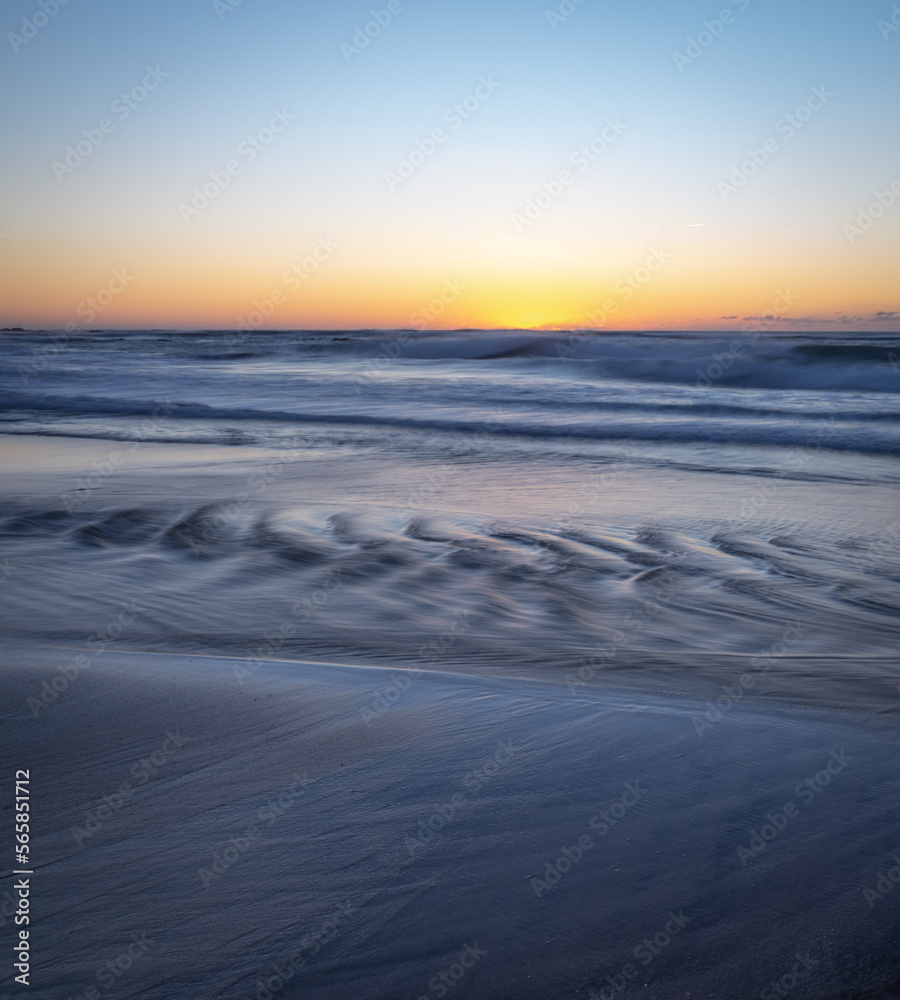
pixel 329 831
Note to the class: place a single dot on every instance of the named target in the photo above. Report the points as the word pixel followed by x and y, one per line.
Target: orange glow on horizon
pixel 213 287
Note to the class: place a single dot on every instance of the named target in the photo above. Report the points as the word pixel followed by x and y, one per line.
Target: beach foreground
pixel 328 831
pixel 382 666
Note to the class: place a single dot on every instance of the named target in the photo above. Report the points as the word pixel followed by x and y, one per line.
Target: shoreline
pixel 726 681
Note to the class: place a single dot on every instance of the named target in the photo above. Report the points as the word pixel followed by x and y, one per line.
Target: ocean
pixel 618 503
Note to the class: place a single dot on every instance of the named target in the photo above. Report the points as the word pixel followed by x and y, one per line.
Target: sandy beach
pixel 469 696
pixel 449 525
pixel 325 831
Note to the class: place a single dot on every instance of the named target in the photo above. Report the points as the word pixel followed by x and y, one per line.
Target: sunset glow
pixel 537 161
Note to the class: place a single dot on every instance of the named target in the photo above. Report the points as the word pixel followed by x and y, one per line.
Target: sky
pixel 443 164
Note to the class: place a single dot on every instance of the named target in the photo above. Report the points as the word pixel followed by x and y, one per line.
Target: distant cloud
pixel 837 319
pixel 804 320
pixel 728 317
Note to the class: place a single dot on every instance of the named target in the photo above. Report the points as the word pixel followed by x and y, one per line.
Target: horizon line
pixel 425 333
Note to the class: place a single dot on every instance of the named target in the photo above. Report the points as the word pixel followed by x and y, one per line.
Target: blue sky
pixel 228 69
